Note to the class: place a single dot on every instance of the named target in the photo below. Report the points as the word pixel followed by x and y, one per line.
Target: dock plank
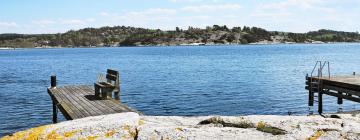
pixel 93 109
pixel 95 103
pixel 79 101
pixel 80 104
pixel 62 105
pixel 109 103
pixel 71 103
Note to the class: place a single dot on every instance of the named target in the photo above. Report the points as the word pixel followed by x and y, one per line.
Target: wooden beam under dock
pixel 342 87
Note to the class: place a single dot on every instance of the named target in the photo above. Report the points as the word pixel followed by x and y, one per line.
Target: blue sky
pixel 53 16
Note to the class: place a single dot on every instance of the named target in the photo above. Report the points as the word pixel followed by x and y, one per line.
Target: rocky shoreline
pixel 134 126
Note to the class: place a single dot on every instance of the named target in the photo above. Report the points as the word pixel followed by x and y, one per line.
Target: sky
pixel 57 16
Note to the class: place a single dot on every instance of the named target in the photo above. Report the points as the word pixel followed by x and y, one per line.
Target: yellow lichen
pixel 129 130
pixel 126 127
pixel 17 135
pixel 133 133
pixel 316 135
pixel 141 122
pixel 53 136
pixel 70 134
pixel 31 134
pixel 181 138
pixel 179 129
pixel 92 137
pixel 109 133
pixel 35 133
pixel 124 137
pixel 261 125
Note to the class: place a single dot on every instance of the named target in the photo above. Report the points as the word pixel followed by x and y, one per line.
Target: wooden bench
pixel 105 89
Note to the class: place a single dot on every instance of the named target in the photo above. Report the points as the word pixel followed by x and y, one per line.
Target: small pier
pixel 342 86
pixel 79 101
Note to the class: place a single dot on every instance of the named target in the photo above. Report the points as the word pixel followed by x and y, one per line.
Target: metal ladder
pixel 315 85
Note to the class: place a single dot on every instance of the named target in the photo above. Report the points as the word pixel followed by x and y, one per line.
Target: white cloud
pixel 43 22
pixel 306 15
pixel 8 24
pixel 72 21
pixel 47 22
pixel 193 1
pixel 208 8
pixel 148 13
pixel 104 14
pixel 90 20
pixel 271 15
pixel 153 12
pixel 304 4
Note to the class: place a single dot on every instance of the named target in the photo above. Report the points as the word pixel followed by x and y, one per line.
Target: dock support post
pixel 117 95
pixel 53 85
pixel 311 98
pixel 117 91
pixel 54 118
pixel 340 100
pixel 320 107
pixel 311 93
pixel 53 81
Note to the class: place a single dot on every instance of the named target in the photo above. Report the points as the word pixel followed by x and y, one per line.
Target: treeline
pixel 131 36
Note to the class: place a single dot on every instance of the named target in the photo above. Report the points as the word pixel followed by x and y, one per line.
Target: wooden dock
pixel 343 87
pixel 79 101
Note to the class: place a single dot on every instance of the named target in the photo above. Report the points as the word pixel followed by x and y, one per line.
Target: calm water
pixel 221 80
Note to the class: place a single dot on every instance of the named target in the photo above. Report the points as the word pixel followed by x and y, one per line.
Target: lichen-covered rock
pixel 100 127
pixel 132 126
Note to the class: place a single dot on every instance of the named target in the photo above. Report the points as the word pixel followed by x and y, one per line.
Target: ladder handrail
pixel 314 68
pixel 322 67
pixel 320 71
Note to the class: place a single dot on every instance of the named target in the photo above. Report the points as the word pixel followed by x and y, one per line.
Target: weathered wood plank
pixel 81 105
pixel 90 104
pixel 342 96
pixel 98 103
pixel 79 101
pixel 114 104
pixel 61 104
pixel 72 104
pixel 64 96
pixel 111 77
pixel 122 106
pixel 113 72
pixel 348 82
pixel 342 90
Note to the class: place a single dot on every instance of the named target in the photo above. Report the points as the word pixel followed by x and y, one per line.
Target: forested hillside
pixel 131 36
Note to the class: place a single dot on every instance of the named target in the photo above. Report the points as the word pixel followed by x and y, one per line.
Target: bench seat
pixel 104 90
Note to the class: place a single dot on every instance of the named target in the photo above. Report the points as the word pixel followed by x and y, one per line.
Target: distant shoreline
pixel 183 45
pixel 211 35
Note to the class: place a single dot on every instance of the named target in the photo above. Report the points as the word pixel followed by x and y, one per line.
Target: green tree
pixel 107 41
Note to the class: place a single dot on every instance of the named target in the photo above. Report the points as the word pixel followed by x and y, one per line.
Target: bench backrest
pixel 112 76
